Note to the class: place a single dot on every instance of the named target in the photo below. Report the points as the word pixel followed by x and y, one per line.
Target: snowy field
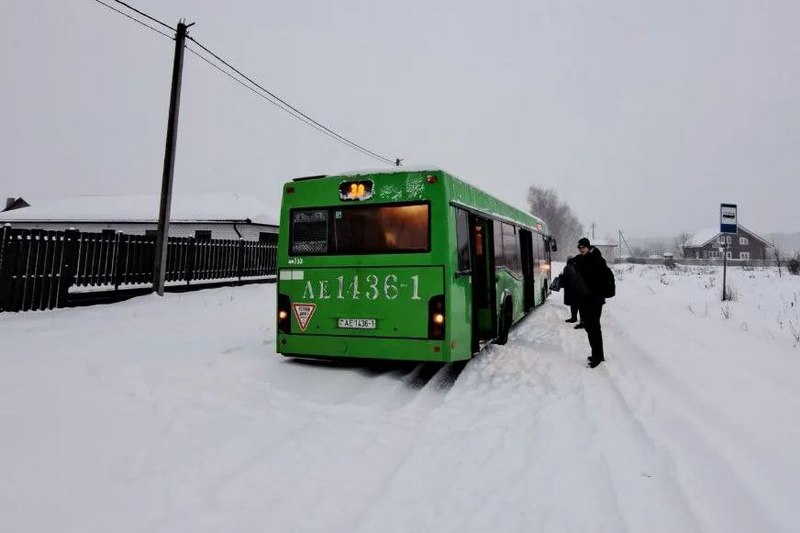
pixel 177 415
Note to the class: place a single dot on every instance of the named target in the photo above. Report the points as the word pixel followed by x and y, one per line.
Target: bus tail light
pixel 284 314
pixel 436 317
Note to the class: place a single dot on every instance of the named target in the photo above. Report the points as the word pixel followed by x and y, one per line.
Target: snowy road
pixel 177 415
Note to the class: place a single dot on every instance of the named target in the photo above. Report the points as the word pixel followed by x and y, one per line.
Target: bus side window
pixel 538 252
pixel 497 233
pixel 511 253
pixel 462 240
pixel 511 248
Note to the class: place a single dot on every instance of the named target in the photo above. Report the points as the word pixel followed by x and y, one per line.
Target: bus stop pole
pixel 162 238
pixel 724 271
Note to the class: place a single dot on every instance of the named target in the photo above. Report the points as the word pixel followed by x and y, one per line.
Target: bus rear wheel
pixel 505 322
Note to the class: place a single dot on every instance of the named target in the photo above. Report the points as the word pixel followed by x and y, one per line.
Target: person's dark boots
pixel 571 320
pixel 580 325
pixel 592 363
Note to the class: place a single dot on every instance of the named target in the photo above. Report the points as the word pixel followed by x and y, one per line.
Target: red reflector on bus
pixel 289 190
pixel 431 179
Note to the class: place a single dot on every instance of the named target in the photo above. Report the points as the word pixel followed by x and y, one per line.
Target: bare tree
pixel 564 225
pixel 778 259
pixel 680 240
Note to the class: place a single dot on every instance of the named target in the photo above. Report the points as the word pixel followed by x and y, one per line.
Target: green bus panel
pixel 394 299
pixel 329 347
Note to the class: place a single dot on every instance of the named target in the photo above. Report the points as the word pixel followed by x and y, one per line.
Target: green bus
pixel 406 264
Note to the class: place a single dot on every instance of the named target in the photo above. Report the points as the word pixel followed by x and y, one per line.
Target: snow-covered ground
pixel 177 415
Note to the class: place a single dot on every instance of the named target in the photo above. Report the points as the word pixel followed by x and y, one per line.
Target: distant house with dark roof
pixel 14 203
pixel 204 216
pixel 744 246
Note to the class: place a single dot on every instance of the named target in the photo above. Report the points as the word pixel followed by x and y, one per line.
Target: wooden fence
pixel 38 267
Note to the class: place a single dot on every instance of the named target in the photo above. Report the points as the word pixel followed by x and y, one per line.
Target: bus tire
pixel 505 322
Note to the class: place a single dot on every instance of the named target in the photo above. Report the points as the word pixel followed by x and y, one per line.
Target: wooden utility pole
pixel 162 238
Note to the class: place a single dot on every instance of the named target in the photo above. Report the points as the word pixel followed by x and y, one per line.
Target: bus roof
pixel 462 193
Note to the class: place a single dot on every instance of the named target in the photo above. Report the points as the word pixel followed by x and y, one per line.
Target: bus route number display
pixel 355 190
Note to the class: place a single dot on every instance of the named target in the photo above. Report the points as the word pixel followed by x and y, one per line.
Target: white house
pixel 204 216
pixel 608 248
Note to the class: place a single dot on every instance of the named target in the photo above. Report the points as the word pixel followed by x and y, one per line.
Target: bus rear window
pixel 361 230
pixel 310 232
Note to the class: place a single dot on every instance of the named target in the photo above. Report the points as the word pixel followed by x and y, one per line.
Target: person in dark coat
pixel 590 268
pixel 568 280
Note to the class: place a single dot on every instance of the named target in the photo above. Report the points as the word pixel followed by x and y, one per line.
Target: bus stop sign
pixel 727 219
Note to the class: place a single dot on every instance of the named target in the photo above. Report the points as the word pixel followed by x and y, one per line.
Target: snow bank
pixel 176 414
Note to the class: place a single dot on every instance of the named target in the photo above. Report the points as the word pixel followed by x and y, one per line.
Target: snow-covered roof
pixel 603 242
pixel 702 237
pixel 707 235
pixel 197 207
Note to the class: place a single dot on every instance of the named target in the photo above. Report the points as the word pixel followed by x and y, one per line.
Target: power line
pixel 145 15
pixel 294 111
pixel 112 8
pixel 261 95
pixel 253 85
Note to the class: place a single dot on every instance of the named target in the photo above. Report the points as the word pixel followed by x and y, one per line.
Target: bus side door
pixel 483 297
pixel 528 283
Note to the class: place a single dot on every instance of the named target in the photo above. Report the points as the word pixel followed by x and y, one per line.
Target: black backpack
pixel 609 283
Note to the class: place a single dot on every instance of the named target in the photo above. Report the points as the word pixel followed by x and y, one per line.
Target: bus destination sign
pixel 355 190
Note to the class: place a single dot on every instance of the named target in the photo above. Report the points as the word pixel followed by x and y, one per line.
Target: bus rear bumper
pixel 332 347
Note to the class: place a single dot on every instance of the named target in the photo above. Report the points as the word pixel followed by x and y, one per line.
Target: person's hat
pixel 583 241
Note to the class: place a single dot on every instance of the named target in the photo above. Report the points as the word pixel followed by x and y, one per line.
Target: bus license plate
pixel 357 323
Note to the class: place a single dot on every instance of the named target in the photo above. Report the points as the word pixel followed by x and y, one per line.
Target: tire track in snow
pixel 644 492
pixel 514 422
pixel 708 453
pixel 434 382
pixel 381 437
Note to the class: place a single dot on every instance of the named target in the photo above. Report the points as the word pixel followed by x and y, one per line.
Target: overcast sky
pixel 643 115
